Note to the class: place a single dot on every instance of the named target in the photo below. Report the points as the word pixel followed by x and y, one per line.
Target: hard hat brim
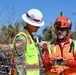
pixel 33 23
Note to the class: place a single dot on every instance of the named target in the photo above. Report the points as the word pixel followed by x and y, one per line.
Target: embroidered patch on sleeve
pixel 20 47
pixel 18 44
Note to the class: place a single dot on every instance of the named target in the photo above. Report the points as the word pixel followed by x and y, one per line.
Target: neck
pixel 28 29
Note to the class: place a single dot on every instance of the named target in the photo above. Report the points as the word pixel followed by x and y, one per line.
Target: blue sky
pixel 50 9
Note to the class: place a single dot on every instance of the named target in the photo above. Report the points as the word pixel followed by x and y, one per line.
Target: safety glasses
pixel 61 29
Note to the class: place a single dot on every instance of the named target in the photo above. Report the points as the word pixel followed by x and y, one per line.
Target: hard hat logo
pixel 33 17
pixel 58 24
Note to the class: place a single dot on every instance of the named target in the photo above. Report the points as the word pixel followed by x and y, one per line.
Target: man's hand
pixel 58 61
pixel 53 61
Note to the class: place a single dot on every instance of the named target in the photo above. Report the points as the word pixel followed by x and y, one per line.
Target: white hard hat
pixel 33 17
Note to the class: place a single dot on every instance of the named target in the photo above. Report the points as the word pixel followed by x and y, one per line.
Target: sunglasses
pixel 61 29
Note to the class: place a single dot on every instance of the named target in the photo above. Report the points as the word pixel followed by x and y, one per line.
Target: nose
pixel 59 31
pixel 38 27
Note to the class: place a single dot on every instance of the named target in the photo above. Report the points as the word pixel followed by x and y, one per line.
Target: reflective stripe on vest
pixel 51 48
pixel 72 46
pixel 12 65
pixel 32 67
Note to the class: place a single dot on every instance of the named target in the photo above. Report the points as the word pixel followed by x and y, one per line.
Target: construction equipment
pixel 5 56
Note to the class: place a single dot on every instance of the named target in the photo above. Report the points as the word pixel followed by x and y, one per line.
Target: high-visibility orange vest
pixel 54 50
pixel 31 58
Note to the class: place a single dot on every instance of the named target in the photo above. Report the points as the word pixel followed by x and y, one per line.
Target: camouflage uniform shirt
pixel 19 50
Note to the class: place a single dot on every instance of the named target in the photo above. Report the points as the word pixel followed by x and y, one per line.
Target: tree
pixel 8 33
pixel 72 35
pixel 47 33
pixel 54 36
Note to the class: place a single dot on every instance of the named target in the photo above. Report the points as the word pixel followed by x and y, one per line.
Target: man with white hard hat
pixel 25 54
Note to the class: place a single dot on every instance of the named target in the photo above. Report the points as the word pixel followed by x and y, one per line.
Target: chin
pixel 60 37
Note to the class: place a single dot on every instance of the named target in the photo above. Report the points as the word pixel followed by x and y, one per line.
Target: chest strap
pixel 72 47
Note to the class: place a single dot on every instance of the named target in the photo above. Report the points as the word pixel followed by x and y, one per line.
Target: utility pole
pixel 74 13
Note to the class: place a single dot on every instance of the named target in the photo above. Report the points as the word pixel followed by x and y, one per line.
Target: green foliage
pixel 47 33
pixel 10 31
pixel 72 35
pixel 1 41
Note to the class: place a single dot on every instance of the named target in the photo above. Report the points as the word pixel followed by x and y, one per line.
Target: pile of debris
pixel 5 47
